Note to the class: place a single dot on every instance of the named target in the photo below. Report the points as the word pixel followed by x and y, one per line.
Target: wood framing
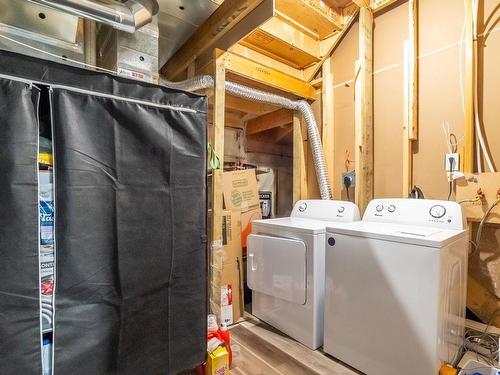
pixel 269 121
pixel 217 141
pixel 328 45
pixel 328 129
pixel 285 43
pixel 410 97
pixel 320 19
pixel 363 117
pixel 263 74
pixel 299 158
pixel 223 20
pixel 468 162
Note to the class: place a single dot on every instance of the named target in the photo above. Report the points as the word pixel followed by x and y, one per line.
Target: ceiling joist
pixel 271 120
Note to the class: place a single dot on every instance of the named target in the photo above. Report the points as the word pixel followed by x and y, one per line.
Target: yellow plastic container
pixel 218 362
pixel 45 158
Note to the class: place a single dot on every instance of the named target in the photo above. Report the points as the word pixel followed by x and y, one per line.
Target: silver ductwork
pixel 128 16
pixel 245 92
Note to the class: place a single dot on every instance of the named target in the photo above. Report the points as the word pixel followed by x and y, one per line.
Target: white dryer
pixel 396 287
pixel 286 267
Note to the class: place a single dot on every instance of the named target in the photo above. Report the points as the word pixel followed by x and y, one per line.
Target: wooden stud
pixel 364 111
pixel 328 130
pixel 413 69
pixel 469 89
pixel 263 74
pixel 269 121
pixel 222 20
pixel 299 158
pixel 407 142
pixel 217 141
pixel 410 90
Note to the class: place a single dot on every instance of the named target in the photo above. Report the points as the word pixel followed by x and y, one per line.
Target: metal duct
pixel 128 16
pixel 245 92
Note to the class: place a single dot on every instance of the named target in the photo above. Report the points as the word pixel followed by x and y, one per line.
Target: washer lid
pixel 410 234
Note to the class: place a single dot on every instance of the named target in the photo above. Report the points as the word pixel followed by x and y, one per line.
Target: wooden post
pixel 364 111
pixel 217 141
pixel 299 158
pixel 469 89
pixel 328 131
pixel 410 121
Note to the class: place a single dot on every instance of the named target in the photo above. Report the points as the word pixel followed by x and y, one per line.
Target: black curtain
pixel 130 214
pixel 130 223
pixel 20 336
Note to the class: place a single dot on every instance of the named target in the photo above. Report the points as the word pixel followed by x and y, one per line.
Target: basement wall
pixel 439 100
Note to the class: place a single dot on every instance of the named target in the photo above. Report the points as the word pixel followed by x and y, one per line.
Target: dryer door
pixel 277 267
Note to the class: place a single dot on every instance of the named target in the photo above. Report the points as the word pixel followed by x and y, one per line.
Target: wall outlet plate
pixel 352 176
pixel 454 166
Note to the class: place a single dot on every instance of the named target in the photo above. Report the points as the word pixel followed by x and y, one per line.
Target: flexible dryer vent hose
pixel 245 92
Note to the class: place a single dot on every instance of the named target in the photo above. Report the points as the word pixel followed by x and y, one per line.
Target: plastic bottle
pixel 47 357
pixel 212 323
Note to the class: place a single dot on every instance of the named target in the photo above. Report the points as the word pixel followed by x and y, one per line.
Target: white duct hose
pixel 259 96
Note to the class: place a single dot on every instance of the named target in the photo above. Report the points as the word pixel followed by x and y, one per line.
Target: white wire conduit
pixel 259 96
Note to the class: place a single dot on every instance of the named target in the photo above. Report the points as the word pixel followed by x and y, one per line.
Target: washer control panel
pixel 326 210
pixel 421 212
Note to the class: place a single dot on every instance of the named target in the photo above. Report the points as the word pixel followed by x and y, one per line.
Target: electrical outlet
pixel 351 176
pixel 454 164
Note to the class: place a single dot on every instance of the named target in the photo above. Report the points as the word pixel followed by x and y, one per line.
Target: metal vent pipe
pixel 128 16
pixel 255 95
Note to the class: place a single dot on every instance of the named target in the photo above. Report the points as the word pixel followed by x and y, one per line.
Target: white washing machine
pixel 396 287
pixel 286 267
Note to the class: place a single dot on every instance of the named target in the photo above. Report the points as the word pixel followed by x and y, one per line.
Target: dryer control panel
pixel 326 210
pixel 421 212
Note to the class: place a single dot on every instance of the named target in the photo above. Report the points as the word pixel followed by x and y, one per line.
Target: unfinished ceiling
pixel 178 19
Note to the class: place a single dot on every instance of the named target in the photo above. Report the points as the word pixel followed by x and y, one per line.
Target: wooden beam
pixel 314 15
pixel 328 46
pixel 378 5
pixel 299 158
pixel 205 38
pixel 263 74
pixel 469 89
pixel 281 133
pixel 253 145
pixel 364 111
pixel 269 121
pixel 254 55
pixel 279 40
pixel 362 3
pixel 328 130
pixel 247 106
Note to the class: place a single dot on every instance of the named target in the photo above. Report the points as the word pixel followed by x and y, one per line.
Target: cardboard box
pixel 246 225
pixel 217 362
pixel 240 190
pixel 227 271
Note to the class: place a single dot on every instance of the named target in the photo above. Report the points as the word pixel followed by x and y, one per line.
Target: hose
pixel 259 96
